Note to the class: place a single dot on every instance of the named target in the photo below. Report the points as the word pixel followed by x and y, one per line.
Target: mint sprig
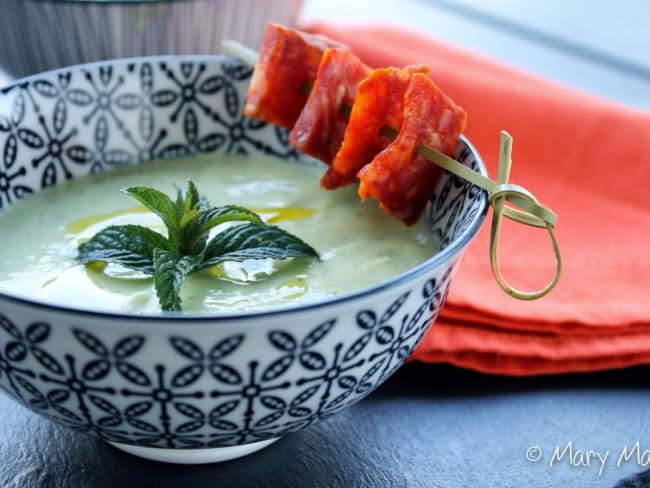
pixel 187 248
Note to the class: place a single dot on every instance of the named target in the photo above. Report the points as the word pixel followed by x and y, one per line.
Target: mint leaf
pixel 190 239
pixel 187 197
pixel 131 246
pixel 228 213
pixel 162 206
pixel 189 220
pixel 190 207
pixel 253 241
pixel 171 271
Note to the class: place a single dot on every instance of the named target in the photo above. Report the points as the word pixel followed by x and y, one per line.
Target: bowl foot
pixel 193 456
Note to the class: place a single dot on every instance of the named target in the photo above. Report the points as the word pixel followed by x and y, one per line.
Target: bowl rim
pixel 454 248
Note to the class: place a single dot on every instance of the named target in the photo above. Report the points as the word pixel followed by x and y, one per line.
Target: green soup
pixel 358 244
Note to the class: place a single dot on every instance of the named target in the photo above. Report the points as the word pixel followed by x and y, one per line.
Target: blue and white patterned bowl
pixel 188 388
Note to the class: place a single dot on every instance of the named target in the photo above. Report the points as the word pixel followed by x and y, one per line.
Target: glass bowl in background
pixel 40 35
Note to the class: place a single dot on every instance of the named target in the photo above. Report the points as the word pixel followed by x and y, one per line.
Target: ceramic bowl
pixel 39 35
pixel 185 388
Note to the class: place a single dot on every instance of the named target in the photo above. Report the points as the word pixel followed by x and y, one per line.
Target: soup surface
pixel 358 244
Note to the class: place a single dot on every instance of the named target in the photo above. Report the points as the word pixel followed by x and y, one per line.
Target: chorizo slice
pixel 322 123
pixel 401 179
pixel 285 70
pixel 379 102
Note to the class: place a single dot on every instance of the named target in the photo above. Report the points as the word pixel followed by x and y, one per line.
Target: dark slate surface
pixel 428 426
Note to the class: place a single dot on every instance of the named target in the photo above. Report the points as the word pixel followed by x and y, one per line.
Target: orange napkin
pixel 588 159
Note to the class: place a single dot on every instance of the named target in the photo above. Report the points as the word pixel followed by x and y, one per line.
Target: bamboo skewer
pixel 529 212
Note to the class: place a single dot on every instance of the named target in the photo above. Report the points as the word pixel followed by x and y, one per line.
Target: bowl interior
pixel 92 118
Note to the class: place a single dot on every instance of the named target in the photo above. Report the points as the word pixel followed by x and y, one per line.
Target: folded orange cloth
pixel 586 157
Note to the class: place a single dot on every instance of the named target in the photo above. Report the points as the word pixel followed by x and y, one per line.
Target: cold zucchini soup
pixel 358 245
